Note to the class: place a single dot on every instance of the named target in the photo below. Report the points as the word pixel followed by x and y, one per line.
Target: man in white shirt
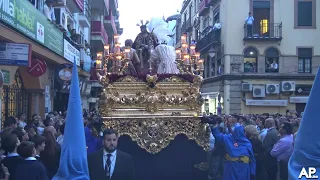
pixel 274 66
pixel 48 11
pixel 249 23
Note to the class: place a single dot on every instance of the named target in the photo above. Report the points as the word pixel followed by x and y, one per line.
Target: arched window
pixel 250 60
pixel 272 60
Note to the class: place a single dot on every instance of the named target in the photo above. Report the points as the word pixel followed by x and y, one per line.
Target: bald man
pixel 272 137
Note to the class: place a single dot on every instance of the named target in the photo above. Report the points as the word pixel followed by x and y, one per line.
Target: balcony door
pixel 261 15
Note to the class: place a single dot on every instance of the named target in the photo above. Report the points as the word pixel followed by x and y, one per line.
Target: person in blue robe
pixel 240 163
pixel 93 140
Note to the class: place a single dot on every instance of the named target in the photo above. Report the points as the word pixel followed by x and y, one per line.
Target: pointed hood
pixel 307 143
pixel 73 160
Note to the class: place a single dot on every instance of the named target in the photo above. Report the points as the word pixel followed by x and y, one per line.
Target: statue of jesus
pixel 143 44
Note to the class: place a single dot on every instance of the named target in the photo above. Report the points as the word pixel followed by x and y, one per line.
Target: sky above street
pixel 132 11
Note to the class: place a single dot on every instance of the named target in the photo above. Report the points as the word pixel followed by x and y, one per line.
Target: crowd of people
pixel 241 146
pixel 251 147
pixel 30 149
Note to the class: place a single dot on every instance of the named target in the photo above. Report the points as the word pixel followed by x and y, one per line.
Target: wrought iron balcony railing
pixel 264 31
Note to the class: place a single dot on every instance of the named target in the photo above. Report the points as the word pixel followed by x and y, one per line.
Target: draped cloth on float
pixel 164 57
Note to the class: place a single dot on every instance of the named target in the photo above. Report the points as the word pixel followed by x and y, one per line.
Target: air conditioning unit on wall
pixel 258 91
pixel 272 88
pixel 288 86
pixel 246 87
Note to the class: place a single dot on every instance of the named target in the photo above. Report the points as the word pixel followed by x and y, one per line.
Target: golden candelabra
pixel 119 59
pixel 189 62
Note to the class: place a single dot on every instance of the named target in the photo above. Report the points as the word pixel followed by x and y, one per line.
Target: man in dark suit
pixel 272 137
pixel 110 163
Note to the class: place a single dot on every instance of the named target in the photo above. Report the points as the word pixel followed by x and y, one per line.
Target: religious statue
pixel 163 57
pixel 143 44
pixel 134 61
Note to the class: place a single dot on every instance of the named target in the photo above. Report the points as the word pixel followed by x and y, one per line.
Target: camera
pixel 209 119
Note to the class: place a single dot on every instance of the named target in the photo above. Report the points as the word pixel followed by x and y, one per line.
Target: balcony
pixel 114 7
pixel 99 36
pixel 184 27
pixel 75 6
pixel 189 25
pixel 110 24
pixel 209 38
pixel 100 6
pixel 85 16
pixel 263 32
pixel 204 7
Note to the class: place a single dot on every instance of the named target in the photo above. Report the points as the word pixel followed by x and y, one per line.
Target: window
pixel 213 72
pixel 272 60
pixel 305 14
pixel 304 60
pixel 250 60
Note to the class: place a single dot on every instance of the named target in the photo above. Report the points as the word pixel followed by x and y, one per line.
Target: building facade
pixel 104 25
pixel 264 64
pixel 29 80
pixel 189 21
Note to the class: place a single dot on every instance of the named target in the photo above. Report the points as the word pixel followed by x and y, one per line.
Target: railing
pixel 97 28
pixel 202 5
pixel 210 38
pixel 87 9
pixel 263 31
pixel 111 19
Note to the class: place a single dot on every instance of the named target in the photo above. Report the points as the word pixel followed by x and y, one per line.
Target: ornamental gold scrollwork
pixel 155 134
pixel 152 97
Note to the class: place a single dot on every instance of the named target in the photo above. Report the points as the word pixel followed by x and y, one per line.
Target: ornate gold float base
pixel 155 133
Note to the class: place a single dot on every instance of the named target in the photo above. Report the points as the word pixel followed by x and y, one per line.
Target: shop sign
pixel 64 73
pixel 70 52
pixel 15 54
pixel 38 68
pixel 24 17
pixel 6 77
pixel 274 103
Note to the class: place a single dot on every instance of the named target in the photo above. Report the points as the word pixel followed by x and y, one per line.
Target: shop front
pixel 27 74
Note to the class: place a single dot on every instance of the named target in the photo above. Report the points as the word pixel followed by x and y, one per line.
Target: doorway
pixel 261 15
pixel 300 107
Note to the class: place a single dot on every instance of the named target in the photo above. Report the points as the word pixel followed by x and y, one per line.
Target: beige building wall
pixel 233 28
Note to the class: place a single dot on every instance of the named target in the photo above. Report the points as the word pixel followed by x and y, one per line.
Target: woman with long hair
pixel 252 134
pixel 50 156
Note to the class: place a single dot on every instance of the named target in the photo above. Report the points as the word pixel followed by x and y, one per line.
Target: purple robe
pixel 93 143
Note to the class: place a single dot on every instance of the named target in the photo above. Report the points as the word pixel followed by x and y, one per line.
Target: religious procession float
pixel 151 91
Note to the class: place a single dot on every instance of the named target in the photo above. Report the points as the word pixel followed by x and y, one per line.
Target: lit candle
pixel 98 64
pixel 116 38
pixel 178 53
pixel 117 48
pixel 186 59
pixel 106 49
pixel 200 64
pixel 197 56
pixel 118 60
pixel 183 39
pixel 192 50
pixel 99 56
pixel 184 48
pixel 127 52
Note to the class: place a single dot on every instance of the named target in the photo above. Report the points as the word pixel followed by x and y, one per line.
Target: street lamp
pixel 212 52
